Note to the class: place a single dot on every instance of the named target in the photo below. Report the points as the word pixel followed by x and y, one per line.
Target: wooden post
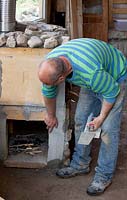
pixel 80 18
pixel 67 19
pixel 105 7
pixel 110 13
pixel 73 16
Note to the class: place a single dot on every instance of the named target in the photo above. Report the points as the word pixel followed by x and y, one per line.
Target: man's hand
pixel 96 123
pixel 51 122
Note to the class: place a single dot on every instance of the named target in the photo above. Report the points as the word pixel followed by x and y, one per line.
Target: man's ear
pixel 61 78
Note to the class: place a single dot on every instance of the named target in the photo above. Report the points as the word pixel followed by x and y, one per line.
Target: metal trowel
pixel 88 134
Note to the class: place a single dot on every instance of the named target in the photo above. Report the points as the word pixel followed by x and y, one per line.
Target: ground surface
pixel 33 184
pixel 27 184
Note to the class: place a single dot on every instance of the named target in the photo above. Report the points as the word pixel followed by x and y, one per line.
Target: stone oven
pixel 21 102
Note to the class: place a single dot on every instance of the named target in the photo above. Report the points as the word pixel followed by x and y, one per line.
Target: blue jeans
pixel 90 102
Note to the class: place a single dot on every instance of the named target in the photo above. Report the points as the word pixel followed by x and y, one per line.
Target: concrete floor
pixel 27 184
pixel 34 184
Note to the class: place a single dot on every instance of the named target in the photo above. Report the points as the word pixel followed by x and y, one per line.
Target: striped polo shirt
pixel 96 65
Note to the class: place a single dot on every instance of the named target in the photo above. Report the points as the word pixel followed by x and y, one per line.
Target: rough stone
pixel 50 43
pixel 32 33
pixel 65 39
pixel 33 27
pixel 120 44
pixel 3 39
pixel 113 34
pixel 22 40
pixel 11 42
pixel 35 41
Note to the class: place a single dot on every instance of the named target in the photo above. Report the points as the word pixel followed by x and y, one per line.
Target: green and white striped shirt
pixel 96 65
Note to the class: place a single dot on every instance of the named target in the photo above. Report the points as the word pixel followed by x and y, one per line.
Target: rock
pixel 10 34
pixel 120 44
pixel 114 34
pixel 65 39
pixel 50 34
pixel 3 39
pixel 11 42
pixel 46 27
pixel 22 40
pixel 50 43
pixel 44 37
pixel 35 41
pixel 32 33
pixel 33 27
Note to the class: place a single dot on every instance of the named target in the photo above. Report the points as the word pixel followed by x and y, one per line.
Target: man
pixel 101 72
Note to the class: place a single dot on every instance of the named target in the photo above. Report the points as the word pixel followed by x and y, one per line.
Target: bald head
pixel 50 70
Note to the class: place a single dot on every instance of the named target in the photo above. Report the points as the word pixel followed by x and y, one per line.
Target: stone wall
pixel 119 40
pixel 35 35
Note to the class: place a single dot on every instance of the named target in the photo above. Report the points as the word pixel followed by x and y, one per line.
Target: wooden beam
pixel 110 13
pixel 80 18
pixel 73 16
pixel 67 19
pixel 119 10
pixel 119 1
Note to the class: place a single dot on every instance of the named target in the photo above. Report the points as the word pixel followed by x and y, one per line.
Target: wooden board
pixel 28 113
pixel 20 83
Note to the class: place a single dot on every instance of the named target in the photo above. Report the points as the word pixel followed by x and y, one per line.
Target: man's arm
pixel 97 121
pixel 103 83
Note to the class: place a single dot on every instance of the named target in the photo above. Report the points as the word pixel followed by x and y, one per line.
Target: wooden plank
pixel 119 10
pixel 19 67
pixel 80 18
pixel 110 13
pixel 67 19
pixel 119 1
pixel 24 113
pixel 92 18
pixel 105 20
pixel 48 10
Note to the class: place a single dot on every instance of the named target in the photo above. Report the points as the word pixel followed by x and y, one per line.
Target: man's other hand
pixel 96 122
pixel 51 122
